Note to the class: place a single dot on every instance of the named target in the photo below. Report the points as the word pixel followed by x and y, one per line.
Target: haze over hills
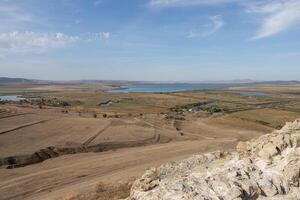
pixel 8 80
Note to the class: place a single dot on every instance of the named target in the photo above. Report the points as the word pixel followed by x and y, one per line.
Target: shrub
pixel 100 187
pixel 109 192
pixel 72 196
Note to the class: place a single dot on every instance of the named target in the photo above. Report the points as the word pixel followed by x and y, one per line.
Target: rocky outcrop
pixel 264 168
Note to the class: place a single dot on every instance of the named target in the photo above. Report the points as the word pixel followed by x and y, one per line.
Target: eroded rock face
pixel 265 168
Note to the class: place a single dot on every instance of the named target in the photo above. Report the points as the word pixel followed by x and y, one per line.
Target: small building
pixel 106 103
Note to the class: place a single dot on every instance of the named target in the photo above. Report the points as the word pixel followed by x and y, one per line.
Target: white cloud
pixel 179 3
pixel 104 35
pixel 216 24
pixel 98 2
pixel 13 14
pixel 33 42
pixel 280 15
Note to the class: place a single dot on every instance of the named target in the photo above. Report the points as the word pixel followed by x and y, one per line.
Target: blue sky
pixel 159 40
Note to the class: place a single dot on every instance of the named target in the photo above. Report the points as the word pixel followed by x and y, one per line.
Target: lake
pixel 172 87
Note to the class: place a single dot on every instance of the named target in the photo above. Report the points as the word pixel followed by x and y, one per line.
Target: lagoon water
pixel 10 98
pixel 172 87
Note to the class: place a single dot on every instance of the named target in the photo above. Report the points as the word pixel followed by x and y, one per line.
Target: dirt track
pixel 22 126
pixel 88 141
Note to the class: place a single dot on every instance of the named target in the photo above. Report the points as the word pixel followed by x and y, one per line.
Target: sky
pixel 150 40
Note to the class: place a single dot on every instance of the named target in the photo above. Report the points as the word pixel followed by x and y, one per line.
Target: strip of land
pixel 64 142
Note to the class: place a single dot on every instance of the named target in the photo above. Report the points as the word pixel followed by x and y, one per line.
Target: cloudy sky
pixel 179 40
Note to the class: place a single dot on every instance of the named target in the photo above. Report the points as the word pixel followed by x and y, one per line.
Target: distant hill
pixel 6 80
pixel 280 82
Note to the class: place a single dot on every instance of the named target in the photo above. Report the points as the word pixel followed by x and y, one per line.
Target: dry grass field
pixel 81 150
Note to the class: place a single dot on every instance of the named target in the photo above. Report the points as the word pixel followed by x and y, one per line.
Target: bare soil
pixel 62 152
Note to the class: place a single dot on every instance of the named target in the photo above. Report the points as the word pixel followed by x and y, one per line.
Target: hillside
pixel 6 80
pixel 265 168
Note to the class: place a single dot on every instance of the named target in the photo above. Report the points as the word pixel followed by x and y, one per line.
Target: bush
pixel 215 110
pixel 100 187
pixel 109 192
pixel 72 196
